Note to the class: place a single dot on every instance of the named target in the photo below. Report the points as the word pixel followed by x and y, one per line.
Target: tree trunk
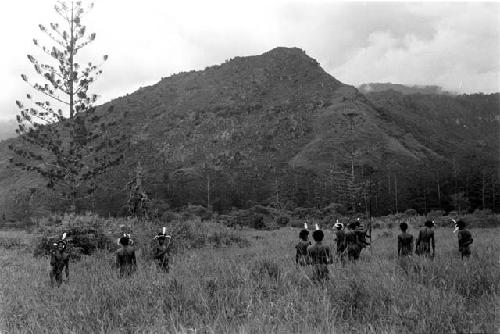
pixel 396 191
pixel 72 65
pixel 208 191
pixel 483 189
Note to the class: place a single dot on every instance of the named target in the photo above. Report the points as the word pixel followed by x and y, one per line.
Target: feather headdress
pixel 338 225
pixel 163 234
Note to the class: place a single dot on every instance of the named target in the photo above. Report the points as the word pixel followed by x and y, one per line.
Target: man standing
pixel 341 241
pixel 162 250
pixel 353 243
pixel 319 256
pixel 464 239
pixel 59 260
pixel 125 257
pixel 362 235
pixel 301 247
pixel 425 240
pixel 405 241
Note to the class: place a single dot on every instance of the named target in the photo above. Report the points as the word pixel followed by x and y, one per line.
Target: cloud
pixel 463 54
pixel 454 45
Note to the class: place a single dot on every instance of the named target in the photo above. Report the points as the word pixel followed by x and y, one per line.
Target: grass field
pixel 257 289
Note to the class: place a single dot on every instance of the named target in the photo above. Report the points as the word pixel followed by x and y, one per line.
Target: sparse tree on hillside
pixel 63 138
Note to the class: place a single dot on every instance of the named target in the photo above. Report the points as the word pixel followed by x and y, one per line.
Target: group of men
pixel 426 245
pixel 350 243
pixel 126 261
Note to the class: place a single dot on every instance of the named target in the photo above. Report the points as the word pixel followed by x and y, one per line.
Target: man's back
pixel 464 241
pixel 125 259
pixel 319 254
pixel 405 244
pixel 302 246
pixel 341 240
pixel 425 240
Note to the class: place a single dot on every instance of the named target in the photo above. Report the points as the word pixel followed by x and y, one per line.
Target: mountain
pixel 278 130
pixel 404 89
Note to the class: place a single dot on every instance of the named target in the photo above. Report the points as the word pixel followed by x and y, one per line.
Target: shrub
pixel 435 213
pixel 334 209
pixel 411 212
pixel 282 220
pixel 85 235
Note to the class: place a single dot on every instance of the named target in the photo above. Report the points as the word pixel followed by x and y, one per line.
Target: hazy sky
pixel 453 45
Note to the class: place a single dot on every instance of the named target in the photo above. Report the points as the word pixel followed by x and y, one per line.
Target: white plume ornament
pixel 305 226
pixel 456 225
pixel 164 230
pixel 64 236
pixel 317 227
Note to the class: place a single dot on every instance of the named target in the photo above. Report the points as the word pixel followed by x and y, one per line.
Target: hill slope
pixel 277 123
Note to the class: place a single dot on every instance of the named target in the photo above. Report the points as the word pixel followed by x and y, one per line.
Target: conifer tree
pixel 63 137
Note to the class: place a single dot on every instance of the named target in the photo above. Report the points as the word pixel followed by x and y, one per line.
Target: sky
pixel 452 45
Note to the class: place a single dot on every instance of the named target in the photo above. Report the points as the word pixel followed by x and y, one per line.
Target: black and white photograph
pixel 249 167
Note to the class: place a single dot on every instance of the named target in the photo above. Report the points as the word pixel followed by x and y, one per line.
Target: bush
pixel 85 235
pixel 435 213
pixel 334 209
pixel 197 211
pixel 282 220
pixel 410 212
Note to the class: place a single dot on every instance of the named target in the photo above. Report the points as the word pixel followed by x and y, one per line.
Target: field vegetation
pixel 245 281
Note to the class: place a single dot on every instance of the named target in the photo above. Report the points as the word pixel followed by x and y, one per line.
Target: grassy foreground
pixel 258 289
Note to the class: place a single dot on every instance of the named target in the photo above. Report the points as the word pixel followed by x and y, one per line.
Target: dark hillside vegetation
pixel 277 130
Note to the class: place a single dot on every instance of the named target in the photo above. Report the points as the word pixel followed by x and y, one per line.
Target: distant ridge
pixel 404 89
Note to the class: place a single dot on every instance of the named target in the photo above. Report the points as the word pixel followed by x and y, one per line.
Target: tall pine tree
pixel 63 137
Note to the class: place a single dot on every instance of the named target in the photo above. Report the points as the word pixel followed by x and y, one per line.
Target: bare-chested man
pixel 426 244
pixel 301 247
pixel 319 256
pixel 353 244
pixel 340 240
pixel 125 257
pixel 405 241
pixel 464 239
pixel 162 250
pixel 59 261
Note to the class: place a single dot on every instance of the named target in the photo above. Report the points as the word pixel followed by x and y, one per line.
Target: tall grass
pixel 258 289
